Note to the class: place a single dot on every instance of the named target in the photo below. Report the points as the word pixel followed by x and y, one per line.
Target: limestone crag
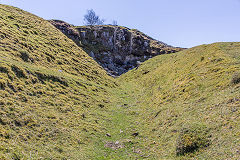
pixel 117 49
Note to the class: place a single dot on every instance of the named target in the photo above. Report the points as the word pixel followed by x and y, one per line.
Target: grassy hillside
pixel 187 103
pixel 52 94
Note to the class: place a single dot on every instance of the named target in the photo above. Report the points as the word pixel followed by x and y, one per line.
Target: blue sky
pixel 183 23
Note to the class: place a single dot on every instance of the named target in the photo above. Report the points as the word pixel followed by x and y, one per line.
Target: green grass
pixel 57 103
pixel 52 94
pixel 186 88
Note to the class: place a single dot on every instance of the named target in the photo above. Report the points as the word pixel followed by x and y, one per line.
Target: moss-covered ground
pixel 57 103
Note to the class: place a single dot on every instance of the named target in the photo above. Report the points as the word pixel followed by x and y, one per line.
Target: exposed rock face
pixel 117 49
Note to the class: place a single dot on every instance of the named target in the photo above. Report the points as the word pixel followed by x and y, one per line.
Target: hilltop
pixel 117 49
pixel 57 102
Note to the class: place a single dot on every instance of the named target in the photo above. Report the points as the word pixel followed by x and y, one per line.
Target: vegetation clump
pixel 2 84
pixel 20 73
pixel 191 139
pixel 90 18
pixel 4 69
pixel 236 78
pixel 24 55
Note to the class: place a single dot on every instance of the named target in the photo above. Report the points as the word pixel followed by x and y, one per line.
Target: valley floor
pixel 138 129
pixel 173 108
pixel 122 138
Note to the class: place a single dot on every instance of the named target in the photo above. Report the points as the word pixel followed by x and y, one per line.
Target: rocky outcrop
pixel 117 49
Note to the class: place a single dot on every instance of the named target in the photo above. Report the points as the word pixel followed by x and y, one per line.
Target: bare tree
pixel 90 18
pixel 114 23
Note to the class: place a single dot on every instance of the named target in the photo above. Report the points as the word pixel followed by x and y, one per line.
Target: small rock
pixel 129 141
pixel 83 116
pixel 114 146
pixel 138 62
pixel 135 134
pixel 101 105
pixel 108 135
pixel 91 54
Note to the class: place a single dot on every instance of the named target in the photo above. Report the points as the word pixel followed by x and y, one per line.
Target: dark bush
pixel 45 77
pixel 24 55
pixel 2 84
pixel 16 156
pixel 19 72
pixel 192 138
pixel 236 78
pixel 4 69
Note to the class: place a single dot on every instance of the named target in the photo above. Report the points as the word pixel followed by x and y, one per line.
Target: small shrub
pixel 19 72
pixel 43 77
pixel 16 156
pixel 10 17
pixel 90 18
pixel 3 158
pixel 24 55
pixel 2 84
pixel 22 97
pixel 192 138
pixel 12 87
pixel 4 69
pixel 17 25
pixel 236 78
pixel 59 149
pixel 25 31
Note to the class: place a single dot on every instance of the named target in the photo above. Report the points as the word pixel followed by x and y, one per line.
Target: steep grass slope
pixel 52 94
pixel 187 104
